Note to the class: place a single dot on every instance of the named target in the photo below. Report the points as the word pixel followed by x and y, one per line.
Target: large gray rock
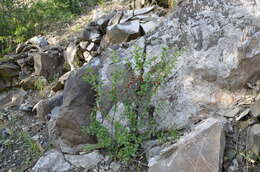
pixel 254 139
pixel 218 56
pixel 78 100
pixel 200 151
pixel 86 161
pixel 9 70
pixel 9 73
pixel 12 98
pixel 255 108
pixel 49 63
pixel 70 55
pixel 52 160
pixel 44 107
pixel 39 41
pixel 123 32
pixel 92 33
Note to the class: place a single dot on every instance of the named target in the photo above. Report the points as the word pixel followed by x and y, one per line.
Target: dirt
pixel 23 139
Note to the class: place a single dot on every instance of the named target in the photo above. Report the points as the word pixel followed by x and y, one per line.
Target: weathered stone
pixel 31 82
pixel 52 160
pixel 232 113
pixel 243 114
pixel 116 114
pixel 26 107
pixel 254 139
pixel 91 33
pixel 87 56
pixel 78 100
pixel 255 108
pixel 9 73
pixel 123 32
pixel 49 63
pixel 59 85
pixel 9 70
pixel 116 18
pixel 12 98
pixel 201 150
pixel 44 107
pixel 92 47
pixel 71 55
pixel 83 45
pixel 149 26
pixel 19 48
pixel 103 21
pixel 38 40
pixel 86 161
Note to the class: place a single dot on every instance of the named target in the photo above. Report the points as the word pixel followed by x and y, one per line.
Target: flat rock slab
pixel 86 161
pixel 255 109
pixel 199 151
pixel 53 160
pixel 254 139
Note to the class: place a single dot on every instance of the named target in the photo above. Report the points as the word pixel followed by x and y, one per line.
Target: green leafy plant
pixel 125 142
pixel 21 20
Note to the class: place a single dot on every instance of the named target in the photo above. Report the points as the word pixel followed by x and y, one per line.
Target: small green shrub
pixel 125 144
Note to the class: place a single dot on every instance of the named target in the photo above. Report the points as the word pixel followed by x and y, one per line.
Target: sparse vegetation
pixel 125 142
pixel 32 146
pixel 20 20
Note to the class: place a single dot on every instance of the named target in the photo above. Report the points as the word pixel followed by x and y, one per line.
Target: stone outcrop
pixel 78 100
pixel 12 98
pixel 52 160
pixel 9 73
pixel 199 151
pixel 49 63
pixel 44 107
pixel 254 139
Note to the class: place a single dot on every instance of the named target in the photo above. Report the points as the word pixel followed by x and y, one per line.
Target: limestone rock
pixel 59 85
pixel 92 33
pixel 9 73
pixel 255 108
pixel 9 70
pixel 85 161
pixel 122 32
pixel 38 40
pixel 52 160
pixel 12 98
pixel 200 150
pixel 70 55
pixel 254 139
pixel 49 63
pixel 44 107
pixel 78 100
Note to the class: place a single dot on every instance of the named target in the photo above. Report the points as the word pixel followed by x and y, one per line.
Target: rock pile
pixel 212 94
pixel 115 28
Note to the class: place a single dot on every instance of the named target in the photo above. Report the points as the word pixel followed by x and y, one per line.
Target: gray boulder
pixel 255 108
pixel 254 139
pixel 9 73
pixel 49 63
pixel 39 41
pixel 85 161
pixel 44 107
pixel 92 33
pixel 70 55
pixel 78 100
pixel 52 160
pixel 123 32
pixel 200 150
pixel 12 98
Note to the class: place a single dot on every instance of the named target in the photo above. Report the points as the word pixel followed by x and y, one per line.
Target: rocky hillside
pixel 140 90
